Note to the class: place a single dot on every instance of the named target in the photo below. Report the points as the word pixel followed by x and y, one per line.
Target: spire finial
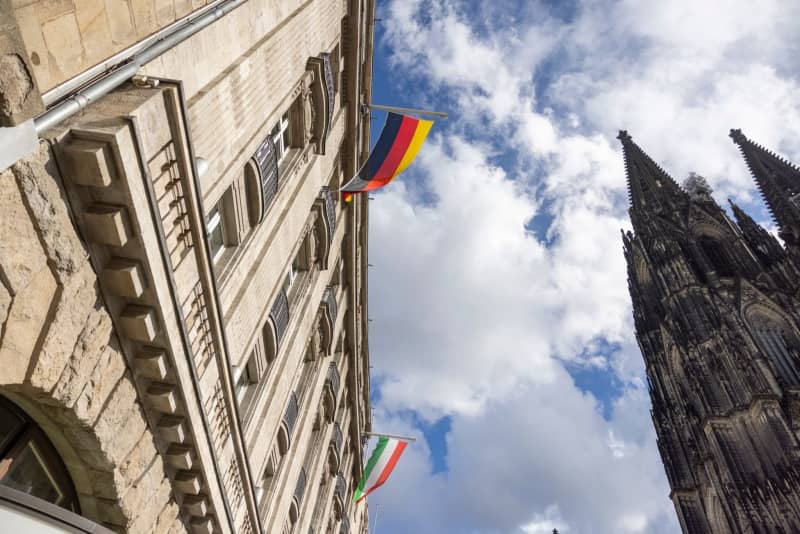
pixel 737 136
pixel 624 136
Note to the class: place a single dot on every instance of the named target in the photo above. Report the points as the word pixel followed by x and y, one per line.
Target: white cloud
pixel 473 313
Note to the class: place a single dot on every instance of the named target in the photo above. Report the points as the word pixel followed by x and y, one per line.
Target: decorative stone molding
pixel 320 101
pixel 324 225
pixel 109 190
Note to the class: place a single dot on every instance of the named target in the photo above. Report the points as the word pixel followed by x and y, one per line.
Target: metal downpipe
pixel 123 73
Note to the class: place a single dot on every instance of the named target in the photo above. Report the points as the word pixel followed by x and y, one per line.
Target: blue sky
pixel 501 334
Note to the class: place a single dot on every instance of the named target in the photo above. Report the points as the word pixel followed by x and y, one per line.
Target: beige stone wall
pixel 65 37
pixel 77 372
pixel 61 360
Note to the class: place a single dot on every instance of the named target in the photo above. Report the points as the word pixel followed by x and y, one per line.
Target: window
pixel 267 481
pixel 717 256
pixel 775 338
pixel 282 137
pixel 288 282
pixel 216 233
pixel 29 462
pixel 243 382
pixel 247 378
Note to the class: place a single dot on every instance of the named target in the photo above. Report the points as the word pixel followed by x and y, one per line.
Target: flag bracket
pixel 401 111
pixel 377 434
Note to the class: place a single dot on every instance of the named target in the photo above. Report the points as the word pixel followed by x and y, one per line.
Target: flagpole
pixel 407 438
pixel 408 110
pixel 375 523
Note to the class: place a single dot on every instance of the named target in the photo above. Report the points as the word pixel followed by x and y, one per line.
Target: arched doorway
pixel 29 462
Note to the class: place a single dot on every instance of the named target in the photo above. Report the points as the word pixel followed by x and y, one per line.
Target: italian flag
pixel 380 465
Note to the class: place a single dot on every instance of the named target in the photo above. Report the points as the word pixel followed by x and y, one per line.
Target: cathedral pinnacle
pixel 650 188
pixel 737 136
pixel 779 182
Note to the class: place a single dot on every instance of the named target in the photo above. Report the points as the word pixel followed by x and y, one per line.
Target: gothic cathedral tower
pixel 717 308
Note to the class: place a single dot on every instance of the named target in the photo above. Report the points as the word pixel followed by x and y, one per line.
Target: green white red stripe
pixel 380 465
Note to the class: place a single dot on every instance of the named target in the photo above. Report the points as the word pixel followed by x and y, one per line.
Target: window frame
pixel 282 135
pixel 215 222
pixel 30 435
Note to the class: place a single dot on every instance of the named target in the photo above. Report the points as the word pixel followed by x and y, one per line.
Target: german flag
pixel 397 146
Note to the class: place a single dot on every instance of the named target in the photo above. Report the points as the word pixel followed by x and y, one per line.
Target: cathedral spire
pixel 779 182
pixel 764 244
pixel 650 188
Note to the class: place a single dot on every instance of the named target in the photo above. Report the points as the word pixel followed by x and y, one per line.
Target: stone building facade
pixel 716 306
pixel 183 298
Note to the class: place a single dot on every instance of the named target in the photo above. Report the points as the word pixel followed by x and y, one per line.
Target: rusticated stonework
pixel 716 308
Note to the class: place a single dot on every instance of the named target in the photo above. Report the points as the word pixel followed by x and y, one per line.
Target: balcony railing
pixel 329 86
pixel 290 415
pixel 337 439
pixel 329 297
pixel 280 314
pixel 340 485
pixel 266 161
pixel 333 379
pixel 330 210
pixel 300 488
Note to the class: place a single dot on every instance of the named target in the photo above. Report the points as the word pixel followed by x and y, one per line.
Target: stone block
pixel 165 12
pixel 121 411
pixel 119 21
pixel 172 428
pixel 64 46
pixel 44 198
pixel 139 323
pixel 106 485
pixel 196 505
pixel 100 384
pixel 163 397
pixel 180 456
pixel 139 459
pixel 124 277
pixel 166 517
pixel 88 163
pixel 93 24
pixel 21 254
pixel 188 482
pixel 151 362
pixel 80 335
pixel 19 95
pixel 142 501
pixel 27 318
pixel 182 8
pixel 107 224
pixel 202 525
pixel 177 526
pixel 109 512
pixel 144 16
pixel 157 493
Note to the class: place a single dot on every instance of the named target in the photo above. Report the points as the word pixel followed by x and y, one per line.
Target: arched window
pixel 29 462
pixel 778 341
pixel 717 256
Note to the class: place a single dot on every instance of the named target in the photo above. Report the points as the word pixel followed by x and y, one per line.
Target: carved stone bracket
pixel 318 105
